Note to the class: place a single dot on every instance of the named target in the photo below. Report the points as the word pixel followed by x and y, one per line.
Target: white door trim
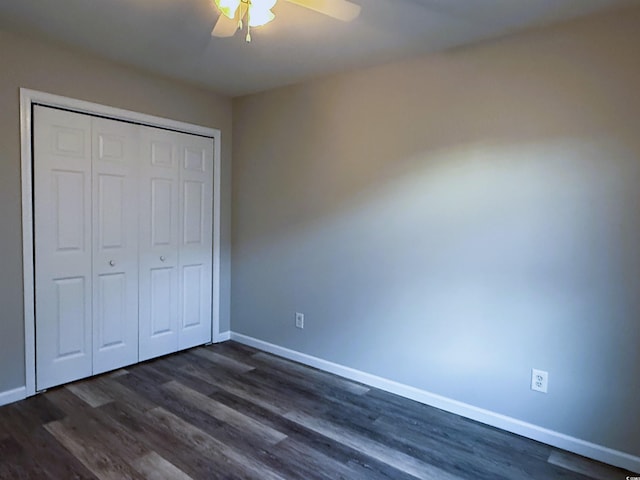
pixel 27 99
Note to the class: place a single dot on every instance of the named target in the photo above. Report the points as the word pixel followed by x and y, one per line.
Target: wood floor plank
pixel 453 452
pixel 361 465
pixel 90 392
pixel 149 371
pixel 311 463
pixel 482 449
pixel 230 412
pixel 104 465
pixel 235 440
pixel 12 464
pixel 42 456
pixel 230 350
pixel 176 368
pixel 156 439
pixel 195 438
pixel 221 360
pixel 585 466
pixel 90 428
pixel 399 460
pixel 153 467
pixel 450 431
pixel 303 372
pixel 67 401
pixel 237 350
pixel 237 387
pixel 307 395
pixel 120 393
pixel 162 397
pixel 224 413
pixel 37 410
pixel 95 431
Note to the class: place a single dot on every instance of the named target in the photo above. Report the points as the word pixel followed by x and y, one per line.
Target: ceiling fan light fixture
pixel 239 14
pixel 262 4
pixel 259 17
pixel 228 7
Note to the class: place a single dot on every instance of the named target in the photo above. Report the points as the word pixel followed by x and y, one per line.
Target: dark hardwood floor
pixel 231 412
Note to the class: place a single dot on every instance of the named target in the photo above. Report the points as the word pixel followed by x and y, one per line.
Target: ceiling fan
pixel 258 13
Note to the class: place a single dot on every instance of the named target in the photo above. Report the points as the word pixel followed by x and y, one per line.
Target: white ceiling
pixel 172 37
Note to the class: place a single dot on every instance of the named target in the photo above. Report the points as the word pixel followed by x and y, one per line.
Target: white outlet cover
pixel 539 380
pixel 299 320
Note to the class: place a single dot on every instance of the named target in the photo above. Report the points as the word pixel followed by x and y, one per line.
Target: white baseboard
pixel 14 395
pixel 222 337
pixel 544 435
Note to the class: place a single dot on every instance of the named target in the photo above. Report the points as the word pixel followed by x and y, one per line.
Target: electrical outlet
pixel 539 380
pixel 299 320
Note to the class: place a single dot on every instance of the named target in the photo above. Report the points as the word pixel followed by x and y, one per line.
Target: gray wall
pixel 453 221
pixel 37 65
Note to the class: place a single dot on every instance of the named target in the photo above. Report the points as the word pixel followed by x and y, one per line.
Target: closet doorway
pixel 121 237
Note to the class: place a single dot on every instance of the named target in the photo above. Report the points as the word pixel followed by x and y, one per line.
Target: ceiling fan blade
pixel 225 27
pixel 340 9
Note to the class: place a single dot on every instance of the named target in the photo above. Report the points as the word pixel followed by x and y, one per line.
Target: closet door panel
pixel 115 244
pixel 123 221
pixel 196 214
pixel 62 239
pixel 162 302
pixel 159 230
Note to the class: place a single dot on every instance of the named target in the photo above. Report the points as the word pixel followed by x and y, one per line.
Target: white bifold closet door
pixel 123 243
pixel 115 244
pixel 63 246
pixel 196 231
pixel 176 194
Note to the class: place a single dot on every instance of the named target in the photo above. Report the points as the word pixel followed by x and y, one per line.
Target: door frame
pixel 27 99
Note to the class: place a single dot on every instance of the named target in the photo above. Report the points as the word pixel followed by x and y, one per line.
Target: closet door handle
pixel 162 258
pixel 112 263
